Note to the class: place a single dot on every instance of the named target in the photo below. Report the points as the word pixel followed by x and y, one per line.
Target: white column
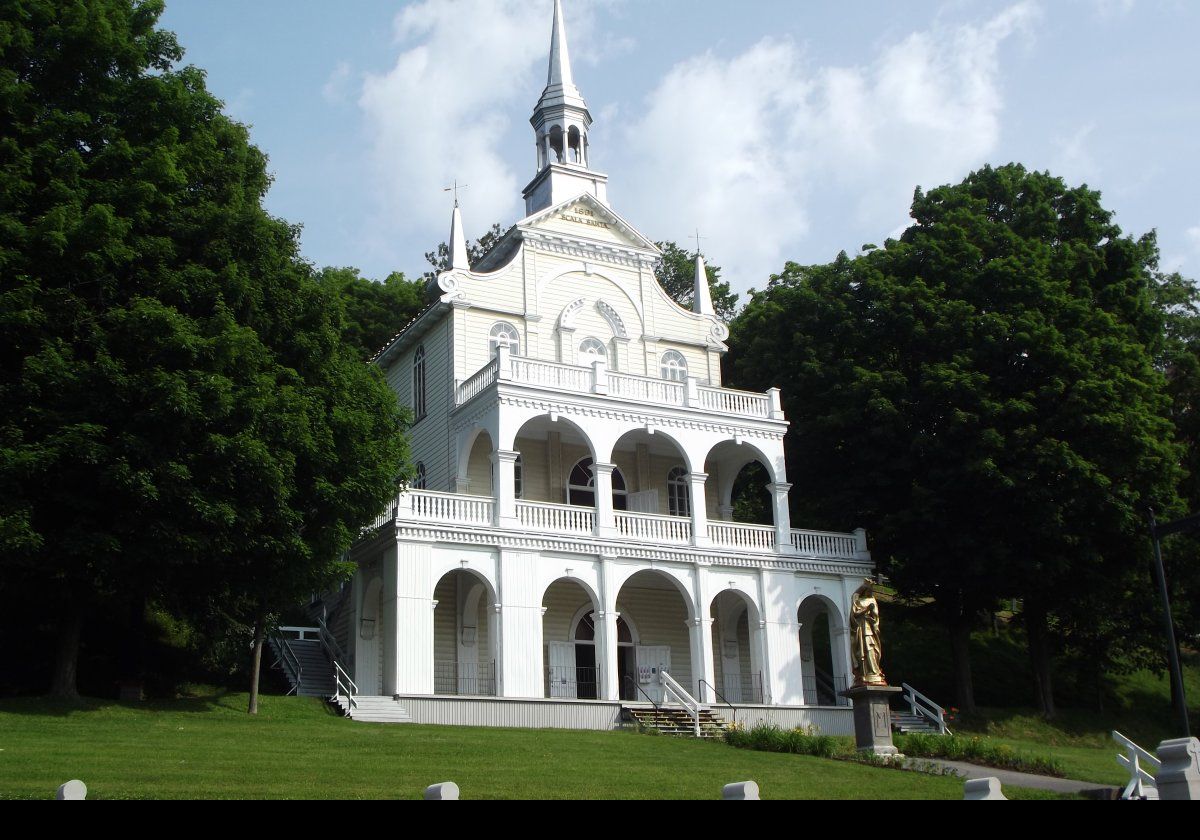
pixel 504 473
pixel 783 674
pixel 606 654
pixel 605 523
pixel 758 664
pixel 700 636
pixel 520 662
pixel 699 509
pixel 783 517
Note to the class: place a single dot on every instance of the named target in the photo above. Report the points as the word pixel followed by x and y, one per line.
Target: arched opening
pixel 549 450
pixel 741 509
pixel 574 146
pixel 573 655
pixel 823 665
pixel 660 609
pixel 479 466
pixel 555 138
pixel 464 635
pixel 368 656
pixel 737 645
pixel 656 471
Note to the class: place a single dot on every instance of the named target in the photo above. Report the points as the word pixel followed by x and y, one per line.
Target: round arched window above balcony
pixel 679 501
pixel 504 334
pixel 592 350
pixel 673 366
pixel 581 487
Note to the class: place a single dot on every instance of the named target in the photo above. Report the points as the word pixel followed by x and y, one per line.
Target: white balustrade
pixel 652 527
pixel 483 379
pixel 428 506
pixel 824 543
pixel 741 403
pixel 626 386
pixel 742 536
pixel 563 519
pixel 644 389
pixel 551 375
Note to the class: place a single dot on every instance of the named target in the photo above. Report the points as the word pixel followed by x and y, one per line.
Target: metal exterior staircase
pixel 905 723
pixel 305 663
pixel 675 721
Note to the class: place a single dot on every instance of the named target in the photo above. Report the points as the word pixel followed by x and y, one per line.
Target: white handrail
pixel 345 686
pixel 1141 783
pixel 923 706
pixel 690 703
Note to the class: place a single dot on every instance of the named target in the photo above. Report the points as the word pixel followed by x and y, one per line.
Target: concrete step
pixel 370 709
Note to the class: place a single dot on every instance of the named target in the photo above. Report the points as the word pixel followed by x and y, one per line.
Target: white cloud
pixel 337 86
pixel 1193 238
pixel 744 145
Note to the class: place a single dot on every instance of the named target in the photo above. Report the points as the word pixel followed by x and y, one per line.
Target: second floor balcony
pixel 599 380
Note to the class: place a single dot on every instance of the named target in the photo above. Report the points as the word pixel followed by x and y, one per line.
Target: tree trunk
pixel 66 661
pixel 960 648
pixel 256 666
pixel 1040 658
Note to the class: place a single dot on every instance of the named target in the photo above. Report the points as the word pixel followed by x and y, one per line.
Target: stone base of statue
pixel 873 718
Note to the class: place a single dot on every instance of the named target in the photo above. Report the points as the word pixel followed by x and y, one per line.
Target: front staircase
pixel 922 715
pixel 372 709
pixel 906 723
pixel 675 721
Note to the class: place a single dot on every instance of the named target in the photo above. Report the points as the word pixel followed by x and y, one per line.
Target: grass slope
pixel 209 748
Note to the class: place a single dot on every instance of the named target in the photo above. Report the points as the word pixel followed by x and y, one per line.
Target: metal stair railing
pixel 639 690
pixel 720 697
pixel 344 687
pixel 289 661
pixel 922 706
pixel 690 703
pixel 1135 760
pixel 329 642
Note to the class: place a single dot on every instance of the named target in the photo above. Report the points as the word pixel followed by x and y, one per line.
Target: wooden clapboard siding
pixel 661 619
pixel 562 601
pixel 479 467
pixel 427 437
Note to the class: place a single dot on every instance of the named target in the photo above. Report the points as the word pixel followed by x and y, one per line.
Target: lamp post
pixel 1157 532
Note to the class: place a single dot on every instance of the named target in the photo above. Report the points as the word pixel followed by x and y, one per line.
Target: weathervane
pixel 454 188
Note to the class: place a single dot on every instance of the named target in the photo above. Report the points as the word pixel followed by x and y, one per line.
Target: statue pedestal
pixel 873 717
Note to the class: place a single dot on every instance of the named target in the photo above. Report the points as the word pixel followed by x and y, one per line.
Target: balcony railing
pixel 541 517
pixel 561 519
pixel 599 380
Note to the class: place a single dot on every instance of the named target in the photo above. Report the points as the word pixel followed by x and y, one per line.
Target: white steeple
pixel 458 242
pixel 560 123
pixel 702 297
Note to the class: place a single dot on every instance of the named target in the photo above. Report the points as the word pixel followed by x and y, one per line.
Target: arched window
pixel 581 487
pixel 419 481
pixel 518 477
pixel 585 630
pixel 673 366
pixel 574 146
pixel 418 383
pixel 504 333
pixel 679 496
pixel 591 350
pixel 556 144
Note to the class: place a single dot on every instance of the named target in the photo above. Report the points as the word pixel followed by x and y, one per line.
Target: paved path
pixel 1011 777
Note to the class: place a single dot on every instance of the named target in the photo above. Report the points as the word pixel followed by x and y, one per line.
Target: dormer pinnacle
pixel 702 298
pixel 560 60
pixel 458 242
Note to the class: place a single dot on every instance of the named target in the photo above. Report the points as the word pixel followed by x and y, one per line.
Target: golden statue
pixel 866 646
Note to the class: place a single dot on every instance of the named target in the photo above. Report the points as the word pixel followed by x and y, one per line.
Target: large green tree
pixel 375 311
pixel 677 275
pixel 982 395
pixel 178 415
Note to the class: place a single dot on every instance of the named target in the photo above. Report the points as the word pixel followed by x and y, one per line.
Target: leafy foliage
pixel 677 275
pixel 982 396
pixel 440 258
pixel 374 311
pixel 178 416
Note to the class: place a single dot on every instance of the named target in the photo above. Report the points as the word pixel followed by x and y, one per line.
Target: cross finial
pixel 454 188
pixel 697 238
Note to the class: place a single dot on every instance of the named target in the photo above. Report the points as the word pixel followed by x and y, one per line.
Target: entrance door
pixel 561 669
pixel 651 660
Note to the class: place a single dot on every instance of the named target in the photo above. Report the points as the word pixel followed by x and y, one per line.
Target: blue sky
pixel 783 131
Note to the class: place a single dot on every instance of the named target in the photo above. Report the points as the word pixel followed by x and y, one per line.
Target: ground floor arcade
pixel 462 620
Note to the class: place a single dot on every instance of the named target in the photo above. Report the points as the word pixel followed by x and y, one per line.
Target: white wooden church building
pixel 570 532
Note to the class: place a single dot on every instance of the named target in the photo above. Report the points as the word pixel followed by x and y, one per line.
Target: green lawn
pixel 209 748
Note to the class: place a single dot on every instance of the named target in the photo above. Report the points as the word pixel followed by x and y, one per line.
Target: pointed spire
pixel 458 242
pixel 560 60
pixel 702 298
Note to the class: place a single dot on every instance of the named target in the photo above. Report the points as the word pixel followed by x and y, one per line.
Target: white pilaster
pixel 783 516
pixel 408 630
pixel 504 470
pixel 699 509
pixel 520 662
pixel 605 523
pixel 782 676
pixel 606 654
